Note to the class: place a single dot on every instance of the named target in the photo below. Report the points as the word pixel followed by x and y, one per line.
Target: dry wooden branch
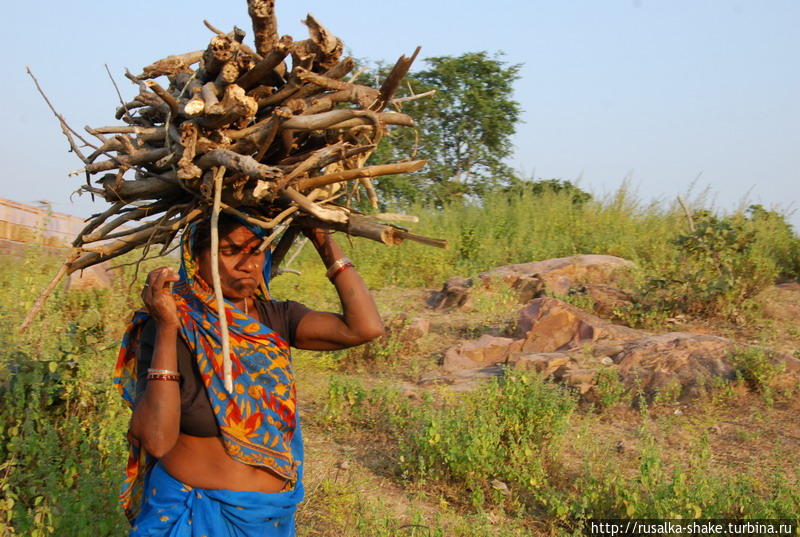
pixel 223 318
pixel 393 80
pixel 171 65
pixel 238 163
pixel 171 101
pixel 65 128
pixel 265 27
pixel 359 173
pixel 264 71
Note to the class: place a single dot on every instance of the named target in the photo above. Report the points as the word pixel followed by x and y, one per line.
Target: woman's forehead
pixel 239 236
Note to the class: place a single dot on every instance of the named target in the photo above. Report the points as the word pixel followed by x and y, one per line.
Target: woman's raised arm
pixel 156 416
pixel 360 321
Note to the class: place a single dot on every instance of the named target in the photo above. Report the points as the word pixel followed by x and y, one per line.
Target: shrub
pixel 715 271
pixel 758 369
pixel 505 431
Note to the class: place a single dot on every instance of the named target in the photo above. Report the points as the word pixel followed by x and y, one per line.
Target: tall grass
pixel 723 263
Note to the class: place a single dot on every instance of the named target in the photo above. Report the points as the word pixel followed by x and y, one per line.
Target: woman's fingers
pixel 157 294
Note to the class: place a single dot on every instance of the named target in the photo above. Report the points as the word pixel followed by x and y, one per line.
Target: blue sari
pixel 173 509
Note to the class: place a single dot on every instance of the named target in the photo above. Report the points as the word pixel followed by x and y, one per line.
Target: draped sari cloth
pixel 258 420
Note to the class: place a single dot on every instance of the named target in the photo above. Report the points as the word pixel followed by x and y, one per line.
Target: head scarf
pixel 258 421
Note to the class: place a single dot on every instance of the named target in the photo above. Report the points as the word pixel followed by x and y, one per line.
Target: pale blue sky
pixel 655 91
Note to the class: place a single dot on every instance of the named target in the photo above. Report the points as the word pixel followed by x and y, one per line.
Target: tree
pixel 464 130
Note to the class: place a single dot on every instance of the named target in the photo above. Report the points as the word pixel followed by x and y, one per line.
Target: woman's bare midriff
pixel 203 463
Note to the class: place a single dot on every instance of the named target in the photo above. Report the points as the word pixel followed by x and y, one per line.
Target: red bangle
pixel 340 270
pixel 163 376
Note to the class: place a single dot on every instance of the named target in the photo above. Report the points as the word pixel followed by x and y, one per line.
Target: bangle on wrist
pixel 338 266
pixel 163 376
pixel 164 371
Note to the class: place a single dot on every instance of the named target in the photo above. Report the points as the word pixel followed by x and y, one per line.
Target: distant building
pixel 22 224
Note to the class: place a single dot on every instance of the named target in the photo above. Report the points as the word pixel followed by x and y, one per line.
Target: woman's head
pixel 241 262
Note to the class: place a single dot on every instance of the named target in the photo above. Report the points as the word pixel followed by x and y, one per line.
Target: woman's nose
pixel 248 262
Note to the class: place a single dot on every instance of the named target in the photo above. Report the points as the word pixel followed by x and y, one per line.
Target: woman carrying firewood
pixel 203 460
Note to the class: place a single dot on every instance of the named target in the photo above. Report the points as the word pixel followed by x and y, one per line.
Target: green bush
pixel 715 271
pixel 758 369
pixel 62 424
pixel 776 240
pixel 504 431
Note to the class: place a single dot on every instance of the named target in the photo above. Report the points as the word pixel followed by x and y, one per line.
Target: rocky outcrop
pixel 584 351
pixel 486 351
pixel 562 342
pixel 454 294
pixel 533 280
pixel 549 324
pixel 660 362
pixel 562 273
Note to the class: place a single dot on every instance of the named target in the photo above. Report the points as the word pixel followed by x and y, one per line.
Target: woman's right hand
pixel 158 299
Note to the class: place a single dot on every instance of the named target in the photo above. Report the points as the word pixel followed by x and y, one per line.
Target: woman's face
pixel 240 263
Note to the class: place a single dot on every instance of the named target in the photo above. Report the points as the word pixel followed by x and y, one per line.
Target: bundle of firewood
pixel 238 122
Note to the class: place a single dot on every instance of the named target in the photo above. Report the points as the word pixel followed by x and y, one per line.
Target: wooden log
pixel 264 71
pixel 140 189
pixel 322 213
pixel 321 80
pixel 42 298
pixel 221 50
pixel 395 217
pixel 96 221
pixel 171 65
pixel 362 226
pixel 194 106
pixel 234 107
pixel 124 245
pixel 154 101
pixel 319 121
pixel 140 157
pixel 127 129
pixel 228 73
pixel 362 117
pixel 393 80
pixel 186 166
pixel 136 214
pixel 311 183
pixel 244 164
pixel 310 163
pixel 185 84
pixel 170 101
pixel 210 94
pixel 295 88
pixel 153 225
pixel 238 36
pixel 329 48
pixel 217 281
pixel 265 27
pixel 125 108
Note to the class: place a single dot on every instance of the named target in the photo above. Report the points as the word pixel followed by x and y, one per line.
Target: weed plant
pixel 503 444
pixel 62 424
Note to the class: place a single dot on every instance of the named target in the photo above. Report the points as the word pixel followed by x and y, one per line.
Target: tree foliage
pixel 464 130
